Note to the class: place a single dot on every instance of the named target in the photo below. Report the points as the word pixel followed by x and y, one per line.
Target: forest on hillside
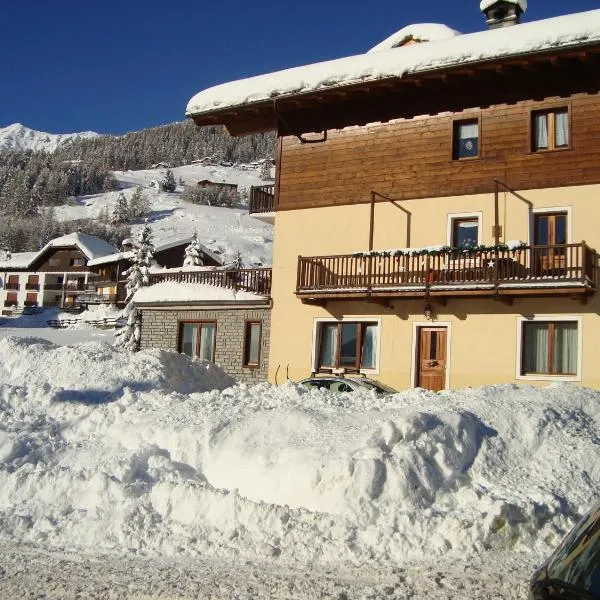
pixel 32 182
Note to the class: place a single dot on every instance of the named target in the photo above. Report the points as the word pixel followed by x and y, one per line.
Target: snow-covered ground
pixel 149 475
pixel 224 230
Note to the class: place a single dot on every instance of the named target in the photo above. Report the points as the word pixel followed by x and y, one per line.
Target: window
pixel 550 129
pixel 198 340
pixel 252 340
pixel 466 139
pixel 54 262
pixel 78 262
pixel 347 345
pixel 549 348
pixel 465 232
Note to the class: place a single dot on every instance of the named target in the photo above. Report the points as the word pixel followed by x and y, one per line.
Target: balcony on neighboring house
pixel 249 280
pixel 11 285
pixel 262 202
pixel 33 287
pixel 501 273
pixel 53 286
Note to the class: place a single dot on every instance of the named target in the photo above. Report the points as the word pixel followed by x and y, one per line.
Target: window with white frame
pixel 549 347
pixel 350 345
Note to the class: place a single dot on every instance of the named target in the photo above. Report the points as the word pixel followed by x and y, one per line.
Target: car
pixel 347 384
pixel 573 570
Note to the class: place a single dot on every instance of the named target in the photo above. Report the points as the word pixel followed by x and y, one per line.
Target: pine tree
pixel 139 206
pixel 193 253
pixel 120 212
pixel 237 262
pixel 137 275
pixel 169 184
pixel 265 171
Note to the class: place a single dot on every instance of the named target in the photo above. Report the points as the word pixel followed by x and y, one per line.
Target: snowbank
pixel 104 452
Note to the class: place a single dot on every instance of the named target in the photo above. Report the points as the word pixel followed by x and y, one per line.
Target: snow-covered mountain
pixel 20 137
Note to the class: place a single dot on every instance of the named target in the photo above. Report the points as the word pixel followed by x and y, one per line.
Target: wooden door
pixel 432 358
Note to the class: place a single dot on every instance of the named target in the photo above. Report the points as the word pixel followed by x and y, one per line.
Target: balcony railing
pixel 12 286
pixel 53 286
pixel 32 286
pixel 571 267
pixel 262 199
pixel 250 280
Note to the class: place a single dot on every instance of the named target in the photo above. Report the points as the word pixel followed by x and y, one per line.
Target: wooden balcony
pixel 262 199
pixel 249 280
pixel 533 270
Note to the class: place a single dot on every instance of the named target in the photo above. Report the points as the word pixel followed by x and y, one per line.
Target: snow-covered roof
pixel 421 32
pixel 117 256
pixel 485 4
pixel 18 260
pixel 173 292
pixel 90 245
pixel 573 30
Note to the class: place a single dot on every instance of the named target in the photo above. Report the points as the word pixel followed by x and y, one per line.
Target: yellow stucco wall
pixel 483 332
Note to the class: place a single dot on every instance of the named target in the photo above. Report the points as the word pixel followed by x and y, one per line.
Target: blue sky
pixel 120 65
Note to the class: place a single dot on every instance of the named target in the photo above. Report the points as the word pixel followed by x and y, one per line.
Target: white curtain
pixel 565 348
pixel 536 348
pixel 369 347
pixel 188 339
pixel 468 131
pixel 541 131
pixel 562 129
pixel 329 342
pixel 207 342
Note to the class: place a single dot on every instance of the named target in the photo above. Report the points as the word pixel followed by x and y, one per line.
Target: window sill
pixel 551 150
pixel 566 378
pixel 466 159
pixel 251 367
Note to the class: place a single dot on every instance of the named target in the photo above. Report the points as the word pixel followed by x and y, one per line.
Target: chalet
pixel 218 186
pixel 435 204
pixel 108 279
pixel 55 276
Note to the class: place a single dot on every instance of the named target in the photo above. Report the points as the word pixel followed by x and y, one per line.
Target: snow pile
pixel 97 372
pixel 170 291
pixel 105 452
pixel 560 32
pixel 422 32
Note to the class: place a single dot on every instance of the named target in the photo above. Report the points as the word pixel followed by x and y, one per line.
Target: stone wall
pixel 160 329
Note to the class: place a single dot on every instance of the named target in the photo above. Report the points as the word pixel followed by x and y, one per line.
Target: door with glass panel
pixel 550 239
pixel 432 358
pixel 351 346
pixel 197 339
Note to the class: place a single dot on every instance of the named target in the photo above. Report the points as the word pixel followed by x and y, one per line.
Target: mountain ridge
pixel 22 138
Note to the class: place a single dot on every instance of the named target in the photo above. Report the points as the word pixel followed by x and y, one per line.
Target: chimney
pixel 503 13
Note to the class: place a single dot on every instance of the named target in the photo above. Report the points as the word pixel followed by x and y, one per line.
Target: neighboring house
pixel 442 146
pixel 218 186
pixel 108 270
pixel 216 315
pixel 57 275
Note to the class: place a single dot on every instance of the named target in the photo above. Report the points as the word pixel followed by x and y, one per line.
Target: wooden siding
pixel 64 256
pixel 409 159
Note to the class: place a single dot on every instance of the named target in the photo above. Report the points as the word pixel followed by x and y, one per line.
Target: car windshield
pixel 380 388
pixel 577 560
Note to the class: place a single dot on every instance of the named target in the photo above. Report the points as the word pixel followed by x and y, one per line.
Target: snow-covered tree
pixel 120 212
pixel 169 184
pixel 265 171
pixel 137 275
pixel 237 262
pixel 193 253
pixel 139 205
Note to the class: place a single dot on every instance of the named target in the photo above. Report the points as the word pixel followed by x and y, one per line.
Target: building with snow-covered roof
pixel 57 275
pixel 435 204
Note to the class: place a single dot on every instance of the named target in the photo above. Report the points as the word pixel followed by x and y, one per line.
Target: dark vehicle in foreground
pixel 347 384
pixel 573 571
